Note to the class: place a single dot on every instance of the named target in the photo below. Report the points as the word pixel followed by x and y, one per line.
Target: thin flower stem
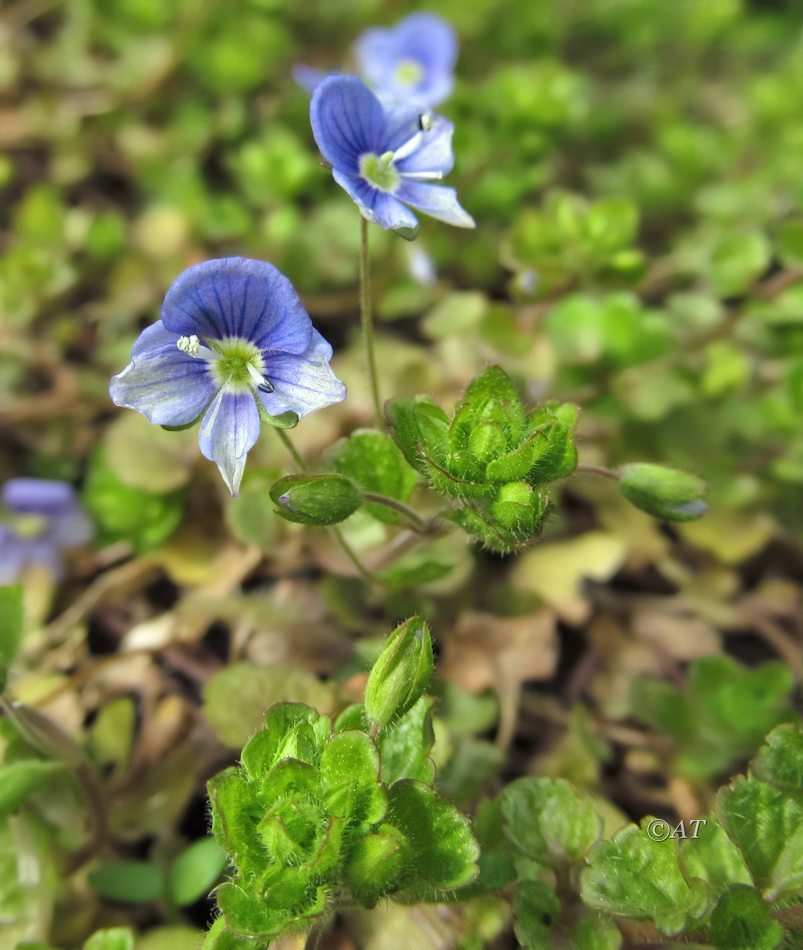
pixel 347 549
pixel 598 470
pixel 416 521
pixel 367 319
pixel 294 454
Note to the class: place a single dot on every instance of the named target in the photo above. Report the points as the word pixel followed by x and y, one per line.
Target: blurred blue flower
pixel 39 519
pixel 386 157
pixel 234 341
pixel 412 62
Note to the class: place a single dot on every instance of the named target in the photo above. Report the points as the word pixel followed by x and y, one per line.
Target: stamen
pixel 425 121
pixel 189 345
pixel 263 384
pixel 411 145
pixel 267 386
pixel 422 176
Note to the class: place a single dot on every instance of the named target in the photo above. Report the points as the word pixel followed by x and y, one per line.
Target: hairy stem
pixel 598 470
pixel 301 465
pixel 416 521
pixel 367 320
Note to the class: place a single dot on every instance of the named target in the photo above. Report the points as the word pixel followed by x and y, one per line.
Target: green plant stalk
pixel 417 523
pixel 367 321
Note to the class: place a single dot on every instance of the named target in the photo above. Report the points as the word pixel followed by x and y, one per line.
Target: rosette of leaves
pixel 492 459
pixel 320 815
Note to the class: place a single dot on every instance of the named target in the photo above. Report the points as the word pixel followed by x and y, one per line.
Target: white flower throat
pixel 380 170
pixel 235 363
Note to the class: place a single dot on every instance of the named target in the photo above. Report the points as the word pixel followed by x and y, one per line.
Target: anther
pixel 266 387
pixel 189 345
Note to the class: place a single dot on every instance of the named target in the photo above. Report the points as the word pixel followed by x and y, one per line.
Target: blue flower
pixel 234 342
pixel 386 157
pixel 412 62
pixel 39 520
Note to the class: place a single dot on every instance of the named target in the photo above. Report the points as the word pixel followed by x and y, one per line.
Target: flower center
pixel 379 171
pixel 408 72
pixel 28 526
pixel 233 362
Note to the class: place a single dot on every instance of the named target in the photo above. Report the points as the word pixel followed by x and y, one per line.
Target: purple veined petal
pixel 12 554
pixel 38 496
pixel 377 206
pixel 401 124
pixel 435 152
pixel 435 200
pixel 347 121
pixel 167 386
pixel 308 77
pixel 228 432
pixel 238 297
pixel 302 383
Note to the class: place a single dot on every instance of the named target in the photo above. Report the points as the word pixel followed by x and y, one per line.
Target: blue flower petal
pixel 347 121
pixel 302 383
pixel 375 205
pixel 228 431
pixel 236 296
pixel 12 551
pixel 38 496
pixel 435 152
pixel 167 386
pixel 435 200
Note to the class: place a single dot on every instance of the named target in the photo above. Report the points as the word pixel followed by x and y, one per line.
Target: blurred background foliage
pixel 634 170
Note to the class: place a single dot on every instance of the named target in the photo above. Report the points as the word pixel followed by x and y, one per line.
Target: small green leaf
pixel 130 882
pixel 547 820
pixel 595 932
pixel 292 730
pixel 635 876
pixel 376 864
pixel 741 921
pixel 709 854
pixel 663 492
pixel 195 871
pixel 350 776
pixel 376 464
pixel 114 938
pixel 737 261
pixel 417 425
pixel 19 779
pixel 535 909
pixel 316 499
pixel 401 674
pixel 790 242
pixel 780 760
pixel 445 852
pixel 405 744
pixel 766 825
pixel 11 628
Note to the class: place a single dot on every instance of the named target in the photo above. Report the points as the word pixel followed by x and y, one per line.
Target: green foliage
pixel 316 499
pixel 194 871
pixel 721 716
pixel 11 629
pixel 493 460
pixel 741 921
pixel 315 813
pixel 132 882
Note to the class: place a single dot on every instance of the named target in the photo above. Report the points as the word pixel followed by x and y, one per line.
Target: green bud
pixel 663 492
pixel 316 499
pixel 401 673
pixel 514 506
pixel 487 441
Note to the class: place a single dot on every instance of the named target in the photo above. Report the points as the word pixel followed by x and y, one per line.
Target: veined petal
pixel 377 206
pixel 302 383
pixel 430 37
pixel 38 496
pixel 435 152
pixel 435 200
pixel 347 121
pixel 166 385
pixel 229 430
pixel 238 297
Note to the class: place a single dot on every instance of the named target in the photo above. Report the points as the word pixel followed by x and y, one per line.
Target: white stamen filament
pixel 258 378
pixel 422 176
pixel 411 145
pixel 193 347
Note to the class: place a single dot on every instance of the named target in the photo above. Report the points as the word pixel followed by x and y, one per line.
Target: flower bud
pixel 664 493
pixel 316 499
pixel 401 673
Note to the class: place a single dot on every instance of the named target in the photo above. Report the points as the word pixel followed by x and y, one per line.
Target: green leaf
pixel 737 260
pixel 145 456
pixel 663 492
pixel 547 820
pixel 405 744
pixel 376 464
pixel 376 864
pixel 401 673
pixel 417 426
pixel 114 938
pixel 130 882
pixel 19 779
pixel 535 909
pixel 766 825
pixel 316 499
pixel 195 871
pixel 741 921
pixel 292 730
pixel 790 242
pixel 250 514
pixel 11 628
pixel 780 760
pixel 635 876
pixel 350 776
pixel 595 932
pixel 444 850
pixel 708 853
